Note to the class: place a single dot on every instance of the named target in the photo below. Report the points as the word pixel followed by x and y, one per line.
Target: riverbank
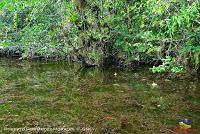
pixel 31 54
pixel 93 33
pixel 17 52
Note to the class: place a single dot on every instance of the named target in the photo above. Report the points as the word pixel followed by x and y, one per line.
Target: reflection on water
pixel 109 100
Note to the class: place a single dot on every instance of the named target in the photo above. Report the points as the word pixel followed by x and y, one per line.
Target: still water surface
pixel 64 95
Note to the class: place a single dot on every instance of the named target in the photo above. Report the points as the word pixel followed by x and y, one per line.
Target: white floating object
pixel 116 85
pixel 154 84
pixel 115 74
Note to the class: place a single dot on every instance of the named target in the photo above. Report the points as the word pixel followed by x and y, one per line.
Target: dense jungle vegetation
pixel 104 32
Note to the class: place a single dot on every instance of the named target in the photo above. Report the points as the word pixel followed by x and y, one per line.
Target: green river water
pixel 41 94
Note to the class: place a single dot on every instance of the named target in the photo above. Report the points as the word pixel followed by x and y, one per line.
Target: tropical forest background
pixel 164 33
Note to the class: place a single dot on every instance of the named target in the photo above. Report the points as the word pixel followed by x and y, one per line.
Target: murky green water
pixel 63 95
